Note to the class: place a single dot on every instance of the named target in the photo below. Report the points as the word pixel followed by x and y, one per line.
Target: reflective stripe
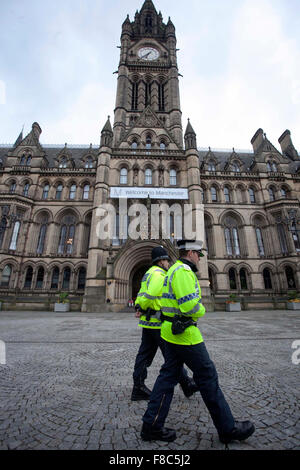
pixel 194 310
pixel 148 296
pixel 150 323
pixel 187 298
pixel 171 310
pixel 169 296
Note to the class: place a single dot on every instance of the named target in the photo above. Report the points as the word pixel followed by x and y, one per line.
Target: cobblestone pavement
pixel 68 378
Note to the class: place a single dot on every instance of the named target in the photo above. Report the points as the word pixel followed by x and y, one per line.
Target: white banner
pixel 153 193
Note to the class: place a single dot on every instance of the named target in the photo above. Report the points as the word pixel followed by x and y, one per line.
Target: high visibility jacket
pixel 181 295
pixel 149 296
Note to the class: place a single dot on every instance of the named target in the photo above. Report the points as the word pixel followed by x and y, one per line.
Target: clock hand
pixel 146 55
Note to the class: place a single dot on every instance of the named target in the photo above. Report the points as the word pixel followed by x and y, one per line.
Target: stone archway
pixel 132 259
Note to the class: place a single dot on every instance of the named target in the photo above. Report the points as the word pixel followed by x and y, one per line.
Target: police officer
pixel 181 307
pixel 148 303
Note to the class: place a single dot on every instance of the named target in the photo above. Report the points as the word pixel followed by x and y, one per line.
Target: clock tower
pixel 148 79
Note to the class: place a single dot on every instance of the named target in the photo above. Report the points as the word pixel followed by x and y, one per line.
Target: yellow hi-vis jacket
pixel 149 296
pixel 181 295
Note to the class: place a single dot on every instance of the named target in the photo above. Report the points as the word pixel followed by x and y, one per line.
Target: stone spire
pixel 106 134
pixel 190 137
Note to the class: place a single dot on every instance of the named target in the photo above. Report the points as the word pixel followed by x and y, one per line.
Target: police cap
pixel 159 253
pixel 194 245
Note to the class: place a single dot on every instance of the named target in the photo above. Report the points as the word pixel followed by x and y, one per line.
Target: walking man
pixel 181 308
pixel 148 303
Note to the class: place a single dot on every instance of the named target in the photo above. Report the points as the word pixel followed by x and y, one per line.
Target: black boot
pixel 148 433
pixel 140 392
pixel 189 388
pixel 241 431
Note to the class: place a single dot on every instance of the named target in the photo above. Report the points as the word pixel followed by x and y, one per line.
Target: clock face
pixel 148 53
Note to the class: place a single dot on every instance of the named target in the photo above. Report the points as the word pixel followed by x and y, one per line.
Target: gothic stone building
pixel 49 197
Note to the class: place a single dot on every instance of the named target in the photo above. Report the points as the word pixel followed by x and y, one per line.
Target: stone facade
pixel 49 235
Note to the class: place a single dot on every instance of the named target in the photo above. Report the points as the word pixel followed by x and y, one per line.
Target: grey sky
pixel 240 61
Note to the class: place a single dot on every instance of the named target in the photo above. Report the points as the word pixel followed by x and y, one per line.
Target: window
pixel 226 194
pixel 72 192
pixel 28 278
pixel 252 195
pixel 15 235
pixel 232 241
pixel 134 145
pixel 81 279
pixel 161 97
pixel 6 275
pixel 283 192
pixel 66 279
pixel 67 236
pixel 274 167
pixel 55 278
pixel 260 244
pixel 41 241
pixel 282 238
pixel 173 177
pixel 211 166
pixel 213 191
pixel 89 163
pixel 228 241
pixel 290 278
pixel 23 159
pixel 236 243
pixel 134 96
pixel 295 236
pixel 40 278
pixel 148 142
pixel 267 278
pixel 123 176
pixel 12 188
pixel 86 191
pixel 162 145
pixel 26 189
pixel 59 190
pixel 269 168
pixel 232 279
pixel 271 194
pixel 3 224
pixel 28 161
pixel 63 163
pixel 243 279
pixel 148 176
pixel 235 167
pixel 148 87
pixel 46 191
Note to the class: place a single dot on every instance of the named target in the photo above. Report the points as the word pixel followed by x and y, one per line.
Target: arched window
pixel 59 190
pixel 290 278
pixel 211 166
pixel 40 278
pixel 46 191
pixel 243 279
pixel 66 279
pixel 232 279
pixel 161 97
pixel 274 167
pixel 173 177
pixel 15 235
pixel 226 194
pixel 86 191
pixel 26 189
pixel 148 176
pixel 12 188
pixel 252 195
pixel 134 96
pixel 81 279
pixel 134 144
pixel 283 192
pixel 213 191
pixel 231 237
pixel 267 278
pixel 260 243
pixel 148 142
pixel 162 145
pixel 55 278
pixel 6 275
pixel 123 175
pixel 72 192
pixel 235 167
pixel 271 194
pixel 67 235
pixel 23 159
pixel 28 161
pixel 88 163
pixel 282 238
pixel 63 163
pixel 228 241
pixel 41 241
pixel 28 278
pixel 212 280
pixel 294 235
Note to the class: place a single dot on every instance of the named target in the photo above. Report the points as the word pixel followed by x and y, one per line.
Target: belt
pixel 181 317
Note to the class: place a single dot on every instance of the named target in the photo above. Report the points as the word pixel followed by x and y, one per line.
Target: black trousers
pixel 151 341
pixel 205 375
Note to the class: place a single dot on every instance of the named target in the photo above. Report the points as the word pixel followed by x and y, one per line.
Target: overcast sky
pixel 240 61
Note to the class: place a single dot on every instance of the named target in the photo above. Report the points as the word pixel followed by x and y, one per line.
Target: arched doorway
pixel 137 279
